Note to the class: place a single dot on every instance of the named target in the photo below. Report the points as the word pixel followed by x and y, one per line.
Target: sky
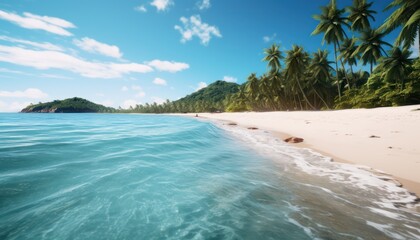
pixel 127 52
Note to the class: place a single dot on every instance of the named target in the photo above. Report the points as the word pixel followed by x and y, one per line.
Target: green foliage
pixel 214 93
pixel 359 14
pixel 407 16
pixel 70 105
pixel 371 47
pixel 380 92
pixel 272 57
pixel 305 81
pixel 212 98
pixel 237 107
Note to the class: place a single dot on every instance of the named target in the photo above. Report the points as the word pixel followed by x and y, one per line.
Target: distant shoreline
pixel 385 139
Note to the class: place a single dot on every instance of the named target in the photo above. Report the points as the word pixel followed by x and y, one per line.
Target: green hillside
pixel 215 92
pixel 212 98
pixel 70 105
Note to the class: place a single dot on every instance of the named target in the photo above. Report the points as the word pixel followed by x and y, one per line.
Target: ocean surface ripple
pixel 116 176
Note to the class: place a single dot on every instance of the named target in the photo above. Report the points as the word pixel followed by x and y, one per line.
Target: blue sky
pixel 122 52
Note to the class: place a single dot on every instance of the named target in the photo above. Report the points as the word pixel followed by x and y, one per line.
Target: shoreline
pixel 384 139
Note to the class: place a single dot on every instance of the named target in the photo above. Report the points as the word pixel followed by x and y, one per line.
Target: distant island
pixel 212 98
pixel 70 105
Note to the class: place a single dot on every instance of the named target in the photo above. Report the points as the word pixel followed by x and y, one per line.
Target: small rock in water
pixel 294 140
pixel 232 124
pixel 373 136
pixel 252 128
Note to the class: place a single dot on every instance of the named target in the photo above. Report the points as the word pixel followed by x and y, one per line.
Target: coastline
pixel 384 139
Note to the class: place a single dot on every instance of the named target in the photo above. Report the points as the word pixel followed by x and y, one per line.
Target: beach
pixel 384 139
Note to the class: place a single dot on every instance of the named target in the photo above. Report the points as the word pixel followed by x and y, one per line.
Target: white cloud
pixel 136 88
pixel 129 103
pixel 12 106
pixel 204 4
pixel 123 68
pixel 32 93
pixel 158 100
pixel 31 21
pixel 230 79
pixel 141 8
pixel 160 81
pixel 162 5
pixel 58 60
pixel 5 70
pixel 168 66
pixel 140 94
pixel 55 76
pixel 269 38
pixel 44 45
pixel 201 85
pixel 93 46
pixel 195 27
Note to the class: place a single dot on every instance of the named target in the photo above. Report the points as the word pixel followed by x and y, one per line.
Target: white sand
pixel 345 135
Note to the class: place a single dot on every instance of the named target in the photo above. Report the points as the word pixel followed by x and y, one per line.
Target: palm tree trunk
pixel 371 67
pixel 336 70
pixel 345 72
pixel 352 72
pixel 300 102
pixel 294 102
pixel 326 105
pixel 304 95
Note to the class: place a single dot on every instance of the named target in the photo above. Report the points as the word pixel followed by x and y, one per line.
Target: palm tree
pixel 359 15
pixel 360 77
pixel 320 71
pixel 395 66
pixel 252 88
pixel 332 25
pixel 349 54
pixel 273 56
pixel 267 90
pixel 371 48
pixel 276 85
pixel 296 61
pixel 407 15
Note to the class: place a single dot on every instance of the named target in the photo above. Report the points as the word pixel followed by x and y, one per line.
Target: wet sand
pixel 385 139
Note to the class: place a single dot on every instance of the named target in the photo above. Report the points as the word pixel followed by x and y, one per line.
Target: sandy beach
pixel 385 139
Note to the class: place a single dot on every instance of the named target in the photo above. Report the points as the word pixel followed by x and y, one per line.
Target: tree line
pixel 299 80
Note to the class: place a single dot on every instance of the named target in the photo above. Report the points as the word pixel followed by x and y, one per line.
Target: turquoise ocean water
pixel 115 176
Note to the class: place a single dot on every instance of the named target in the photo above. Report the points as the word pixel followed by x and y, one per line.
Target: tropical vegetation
pixel 300 80
pixel 70 105
pixel 212 98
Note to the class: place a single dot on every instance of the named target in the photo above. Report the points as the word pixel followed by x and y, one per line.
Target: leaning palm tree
pixel 349 54
pixel 359 14
pixel 296 61
pixel 320 71
pixel 371 47
pixel 267 90
pixel 332 23
pixel 273 57
pixel 396 65
pixel 252 88
pixel 407 15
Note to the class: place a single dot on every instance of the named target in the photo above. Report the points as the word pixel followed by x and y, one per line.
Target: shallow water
pixel 111 176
